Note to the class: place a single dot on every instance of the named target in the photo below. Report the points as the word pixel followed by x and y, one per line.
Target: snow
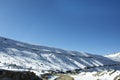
pixel 15 55
pixel 104 75
pixel 115 56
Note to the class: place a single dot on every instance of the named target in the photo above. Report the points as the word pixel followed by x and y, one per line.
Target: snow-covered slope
pixel 114 56
pixel 18 55
pixel 104 75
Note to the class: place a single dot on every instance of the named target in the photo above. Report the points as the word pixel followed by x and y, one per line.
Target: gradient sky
pixel 84 25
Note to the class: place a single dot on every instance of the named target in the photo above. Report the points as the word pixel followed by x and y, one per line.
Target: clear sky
pixel 84 25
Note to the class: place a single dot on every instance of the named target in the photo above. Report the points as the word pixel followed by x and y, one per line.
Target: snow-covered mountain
pixel 19 55
pixel 114 56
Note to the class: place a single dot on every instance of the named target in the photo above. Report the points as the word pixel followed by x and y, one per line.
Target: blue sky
pixel 83 25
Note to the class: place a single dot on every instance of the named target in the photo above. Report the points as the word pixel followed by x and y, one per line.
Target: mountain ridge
pixel 24 56
pixel 114 56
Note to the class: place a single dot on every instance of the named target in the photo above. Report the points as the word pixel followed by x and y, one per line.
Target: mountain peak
pixel 115 54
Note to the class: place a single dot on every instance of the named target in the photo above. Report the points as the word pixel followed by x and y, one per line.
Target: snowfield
pixel 104 75
pixel 115 56
pixel 15 55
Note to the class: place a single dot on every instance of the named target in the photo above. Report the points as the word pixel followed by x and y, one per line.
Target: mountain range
pixel 16 55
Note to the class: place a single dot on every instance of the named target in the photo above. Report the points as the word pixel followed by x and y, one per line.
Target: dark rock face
pixel 117 77
pixel 17 75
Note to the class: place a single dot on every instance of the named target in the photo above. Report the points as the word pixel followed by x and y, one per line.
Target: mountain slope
pixel 114 56
pixel 18 55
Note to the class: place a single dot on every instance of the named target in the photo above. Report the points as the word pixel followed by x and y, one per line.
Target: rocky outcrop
pixel 117 77
pixel 18 75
